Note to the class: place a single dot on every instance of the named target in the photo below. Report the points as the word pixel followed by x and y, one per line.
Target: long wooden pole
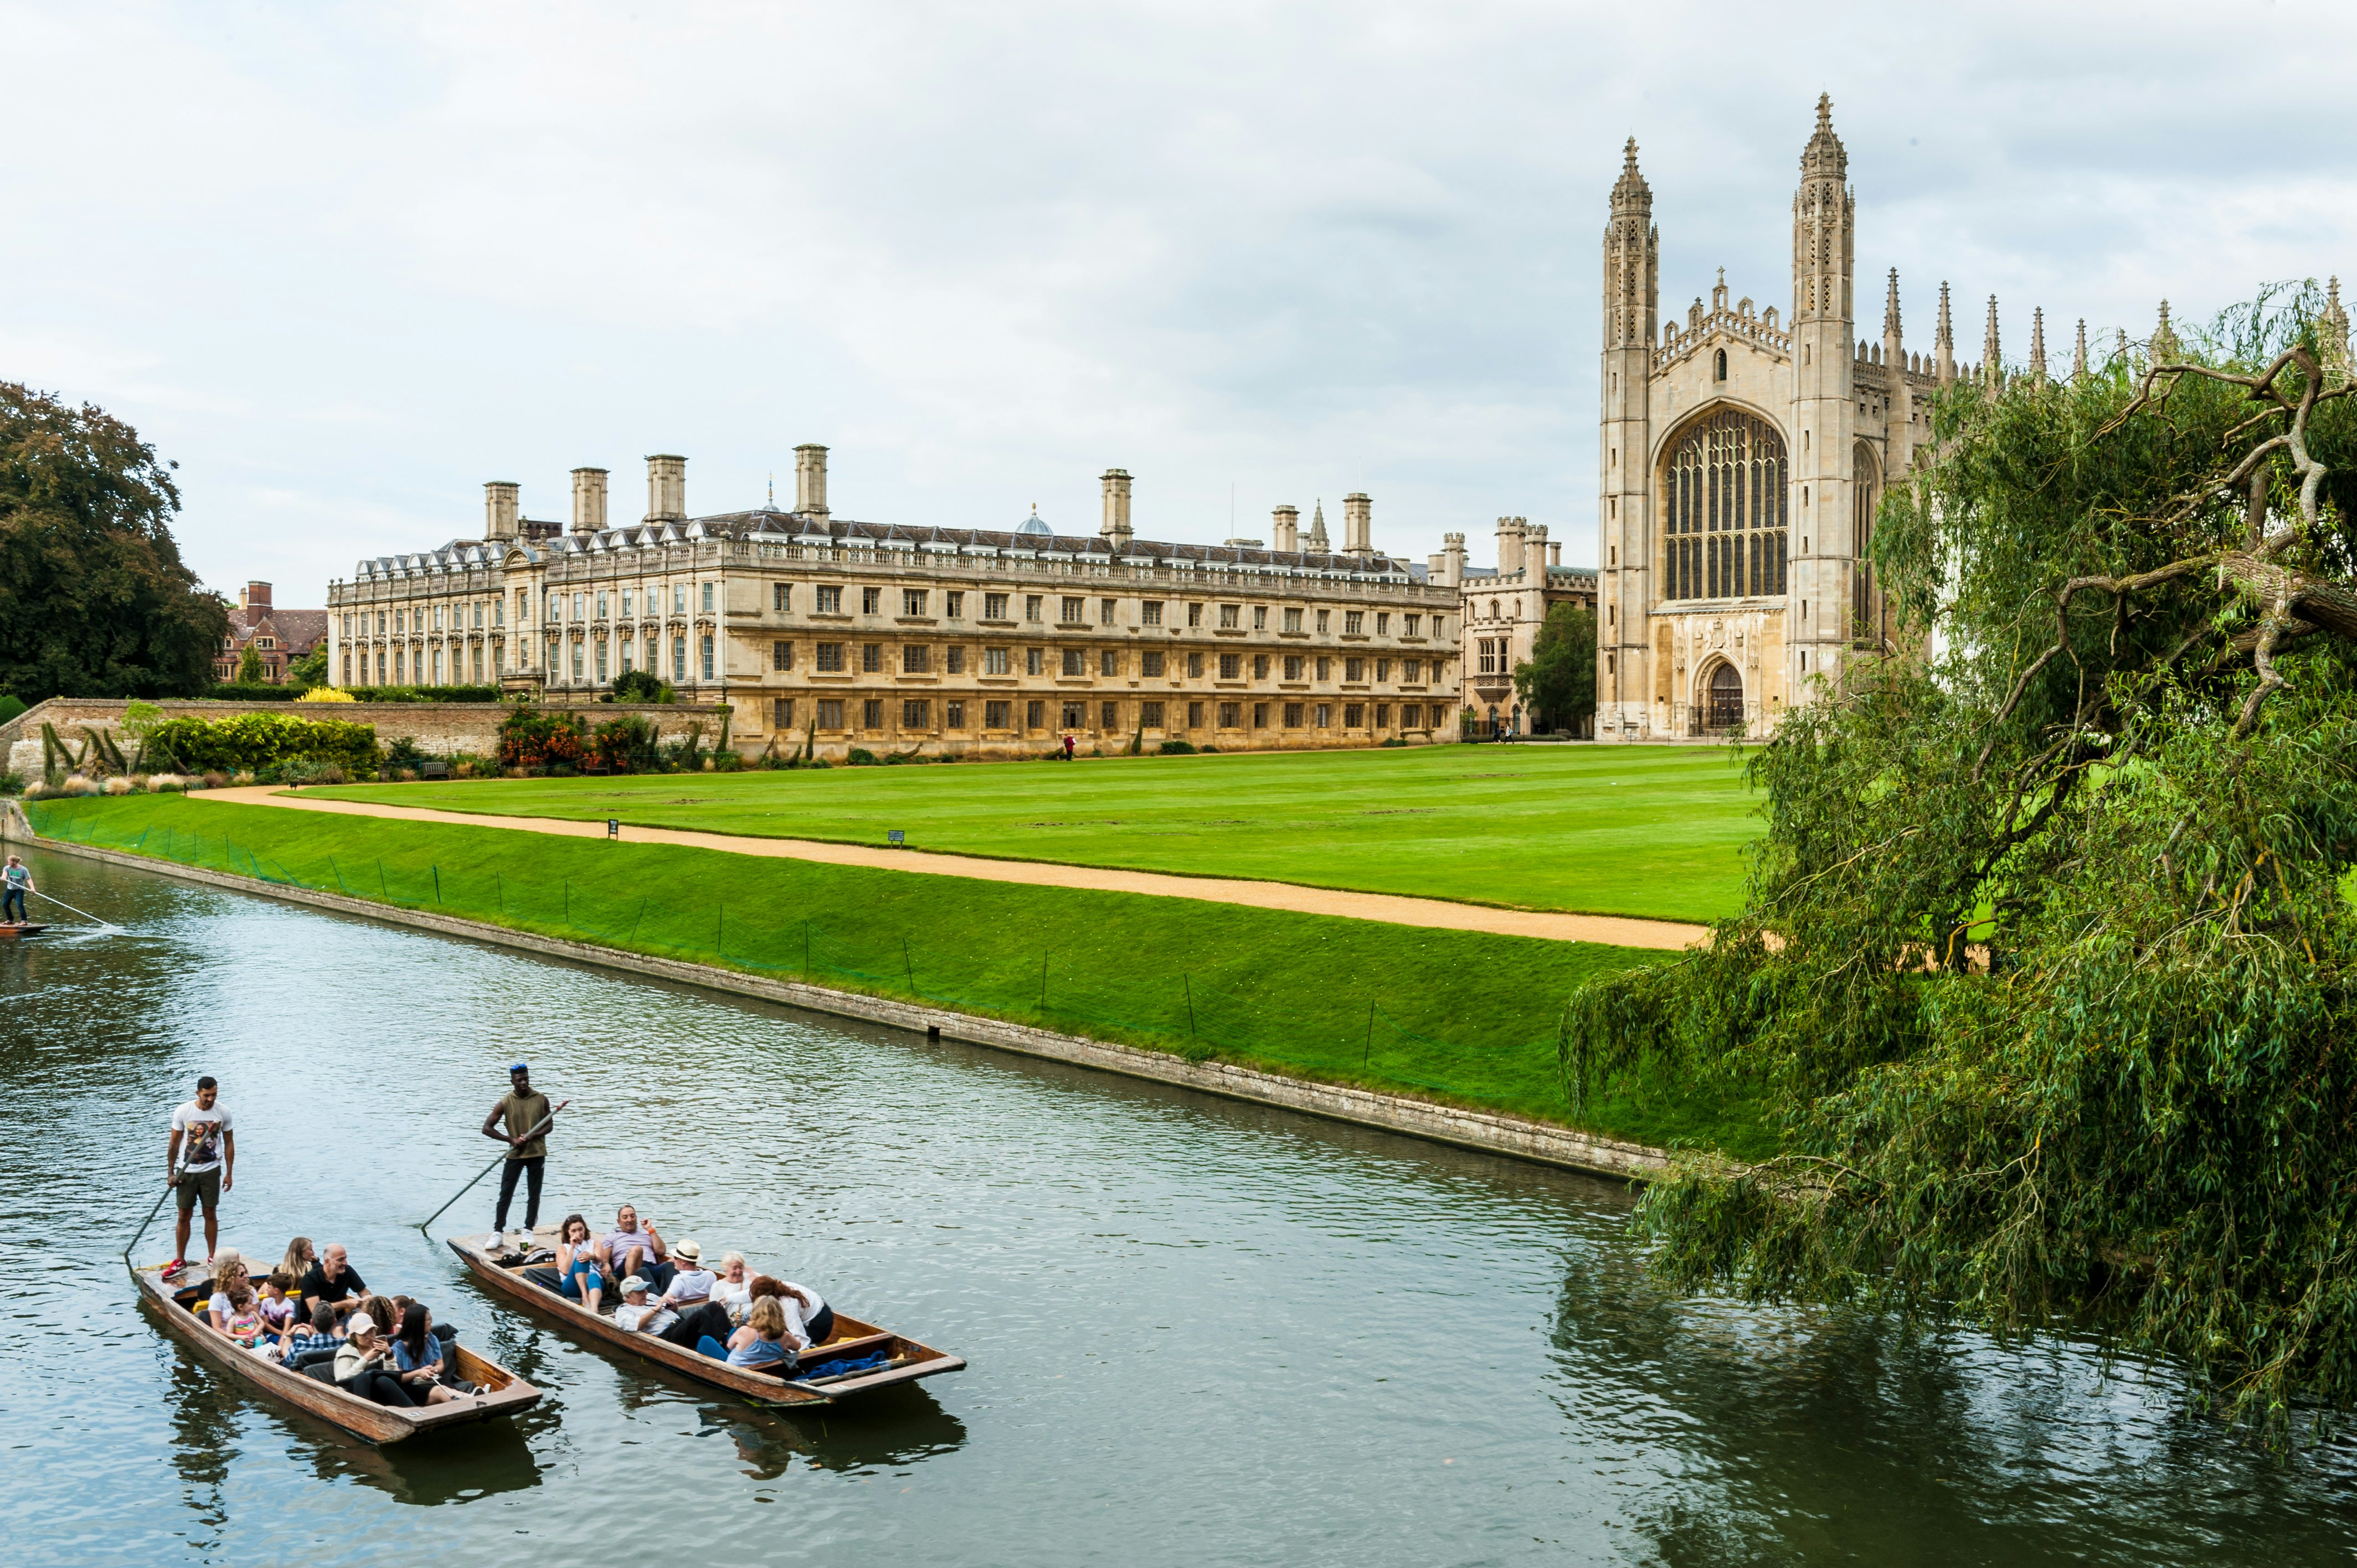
pixel 478 1175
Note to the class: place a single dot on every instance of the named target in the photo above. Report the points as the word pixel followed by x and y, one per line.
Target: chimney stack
pixel 1358 525
pixel 1555 555
pixel 1534 552
pixel 1285 533
pixel 810 479
pixel 1115 526
pixel 254 596
pixel 666 488
pixel 500 510
pixel 588 500
pixel 1453 554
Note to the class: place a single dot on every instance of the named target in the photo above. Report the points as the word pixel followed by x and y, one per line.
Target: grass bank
pixel 1457 1016
pixel 1649 830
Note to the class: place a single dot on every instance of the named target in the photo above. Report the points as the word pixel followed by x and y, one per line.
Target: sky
pixel 345 264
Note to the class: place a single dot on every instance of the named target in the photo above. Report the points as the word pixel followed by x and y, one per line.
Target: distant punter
pixel 526 1113
pixel 15 881
pixel 198 1163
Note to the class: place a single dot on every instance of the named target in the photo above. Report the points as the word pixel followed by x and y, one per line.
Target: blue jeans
pixel 12 904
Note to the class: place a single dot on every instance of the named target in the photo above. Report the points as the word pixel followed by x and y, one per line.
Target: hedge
pixel 425 693
pixel 263 740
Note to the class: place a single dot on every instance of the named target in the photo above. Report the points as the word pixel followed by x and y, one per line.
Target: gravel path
pixel 1440 913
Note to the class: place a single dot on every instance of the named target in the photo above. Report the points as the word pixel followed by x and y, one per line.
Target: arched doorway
pixel 1724 707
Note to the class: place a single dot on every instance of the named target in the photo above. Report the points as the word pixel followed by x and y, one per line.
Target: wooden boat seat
pixel 835 1348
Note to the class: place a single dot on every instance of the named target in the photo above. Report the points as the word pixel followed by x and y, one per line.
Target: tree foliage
pixel 94 599
pixel 2046 950
pixel 1558 681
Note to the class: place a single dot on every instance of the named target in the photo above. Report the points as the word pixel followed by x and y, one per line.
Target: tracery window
pixel 1724 510
pixel 1863 497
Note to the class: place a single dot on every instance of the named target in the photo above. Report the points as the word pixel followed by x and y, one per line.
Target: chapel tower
pixel 1632 307
pixel 1823 418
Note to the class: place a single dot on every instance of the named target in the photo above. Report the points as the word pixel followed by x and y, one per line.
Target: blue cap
pixel 520 1066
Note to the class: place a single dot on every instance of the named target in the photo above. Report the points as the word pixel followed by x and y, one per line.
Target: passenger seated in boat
pixel 310 1341
pixel 298 1263
pixel 762 1342
pixel 229 1273
pixel 242 1321
pixel 733 1289
pixel 809 1320
pixel 333 1280
pixel 627 1249
pixel 641 1314
pixel 417 1358
pixel 362 1365
pixel 576 1264
pixel 691 1282
pixel 278 1303
pixel 385 1314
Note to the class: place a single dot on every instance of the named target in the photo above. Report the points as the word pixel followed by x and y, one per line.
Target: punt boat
pixel 21 929
pixel 175 1300
pixel 811 1383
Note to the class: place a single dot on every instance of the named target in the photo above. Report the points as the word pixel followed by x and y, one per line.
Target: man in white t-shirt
pixel 198 1163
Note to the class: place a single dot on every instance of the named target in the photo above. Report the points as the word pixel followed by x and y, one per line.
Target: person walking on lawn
pixel 198 1163
pixel 523 1109
pixel 1067 746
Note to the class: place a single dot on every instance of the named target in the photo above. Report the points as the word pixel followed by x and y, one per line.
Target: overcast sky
pixel 345 264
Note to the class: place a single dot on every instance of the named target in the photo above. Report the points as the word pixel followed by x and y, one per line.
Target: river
pixel 1199 1333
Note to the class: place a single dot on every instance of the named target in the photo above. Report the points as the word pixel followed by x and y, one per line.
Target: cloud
pixel 348 264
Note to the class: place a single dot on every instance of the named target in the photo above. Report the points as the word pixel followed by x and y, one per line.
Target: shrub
pixel 118 785
pixel 626 744
pixel 302 771
pixel 250 741
pixel 643 686
pixel 537 737
pixel 12 784
pixel 1177 748
pixel 860 756
pixel 10 706
pixel 326 694
pixel 1394 740
pixel 423 694
pixel 240 692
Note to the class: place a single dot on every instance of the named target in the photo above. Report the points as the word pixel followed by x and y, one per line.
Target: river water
pixel 1200 1333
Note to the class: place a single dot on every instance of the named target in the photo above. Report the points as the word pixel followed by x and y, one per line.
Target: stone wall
pixel 441 728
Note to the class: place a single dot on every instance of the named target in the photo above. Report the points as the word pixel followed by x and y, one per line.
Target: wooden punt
pixel 24 928
pixel 810 1384
pixel 174 1302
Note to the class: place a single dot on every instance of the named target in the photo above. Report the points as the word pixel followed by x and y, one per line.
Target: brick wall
pixel 441 728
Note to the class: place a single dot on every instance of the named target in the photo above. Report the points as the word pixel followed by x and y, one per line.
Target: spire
pixel 2079 355
pixel 2038 346
pixel 2120 348
pixel 2164 338
pixel 2332 336
pixel 1632 272
pixel 1319 542
pixel 1823 228
pixel 1630 193
pixel 1992 367
pixel 1891 307
pixel 1943 342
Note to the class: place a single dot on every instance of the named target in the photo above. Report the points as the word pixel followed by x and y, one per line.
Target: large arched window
pixel 1723 501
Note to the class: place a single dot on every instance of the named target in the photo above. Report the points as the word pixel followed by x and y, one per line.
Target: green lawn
pixel 1649 831
pixel 1457 1015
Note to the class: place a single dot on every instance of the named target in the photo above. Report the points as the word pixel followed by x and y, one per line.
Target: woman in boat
pixel 761 1343
pixel 577 1278
pixel 360 1365
pixel 417 1358
pixel 298 1263
pixel 811 1320
pixel 734 1288
pixel 229 1273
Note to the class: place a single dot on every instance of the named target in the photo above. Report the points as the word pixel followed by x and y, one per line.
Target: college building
pixel 278 637
pixel 970 641
pixel 1503 609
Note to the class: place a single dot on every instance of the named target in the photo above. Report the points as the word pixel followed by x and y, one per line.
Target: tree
pixel 1558 682
pixel 2045 954
pixel 248 667
pixel 94 599
pixel 309 670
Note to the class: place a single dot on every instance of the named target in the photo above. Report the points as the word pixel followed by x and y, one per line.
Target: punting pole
pixel 146 1222
pixel 94 919
pixel 479 1174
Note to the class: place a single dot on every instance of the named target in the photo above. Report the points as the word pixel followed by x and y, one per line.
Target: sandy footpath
pixel 1395 909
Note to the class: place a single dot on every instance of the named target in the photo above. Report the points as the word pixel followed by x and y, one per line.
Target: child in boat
pixel 277 1305
pixel 242 1321
pixel 305 1343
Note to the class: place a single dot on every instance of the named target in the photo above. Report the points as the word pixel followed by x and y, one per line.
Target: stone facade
pixel 1743 454
pixel 1501 608
pixel 937 640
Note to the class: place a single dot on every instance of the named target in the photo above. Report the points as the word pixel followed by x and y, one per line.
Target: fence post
pixel 634 923
pixel 379 882
pixel 438 881
pixel 1190 1003
pixel 500 887
pixel 910 965
pixel 1043 982
pixel 568 902
pixel 806 945
pixel 720 932
pixel 1368 1054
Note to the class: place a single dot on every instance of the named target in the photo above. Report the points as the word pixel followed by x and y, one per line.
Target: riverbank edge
pixel 1488 1132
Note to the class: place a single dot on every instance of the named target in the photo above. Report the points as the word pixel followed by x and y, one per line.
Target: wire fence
pixel 1191 1015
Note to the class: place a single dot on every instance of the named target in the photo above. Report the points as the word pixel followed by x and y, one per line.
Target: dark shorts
pixel 200 1184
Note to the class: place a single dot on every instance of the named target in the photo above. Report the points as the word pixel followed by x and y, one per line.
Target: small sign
pixel 896 837
pixel 613 827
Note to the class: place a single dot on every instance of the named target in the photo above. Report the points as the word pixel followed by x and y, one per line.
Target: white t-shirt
pixel 653 1318
pixel 689 1285
pixel 736 1297
pixel 798 1316
pixel 201 1141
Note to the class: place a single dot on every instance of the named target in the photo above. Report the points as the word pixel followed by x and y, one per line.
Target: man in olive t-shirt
pixel 523 1110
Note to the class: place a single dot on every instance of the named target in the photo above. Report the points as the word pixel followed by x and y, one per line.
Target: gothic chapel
pixel 1742 458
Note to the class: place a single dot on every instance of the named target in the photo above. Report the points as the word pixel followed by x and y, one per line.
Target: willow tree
pixel 2046 952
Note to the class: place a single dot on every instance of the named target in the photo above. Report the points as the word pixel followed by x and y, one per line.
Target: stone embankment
pixel 441 729
pixel 1493 1132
